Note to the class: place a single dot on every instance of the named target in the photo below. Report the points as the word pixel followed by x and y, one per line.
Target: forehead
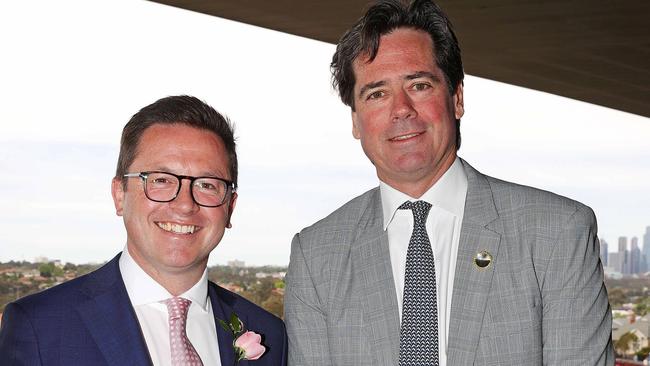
pixel 179 133
pixel 181 147
pixel 404 49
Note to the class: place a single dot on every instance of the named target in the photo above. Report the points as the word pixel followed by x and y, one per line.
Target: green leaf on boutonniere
pixel 235 324
pixel 224 325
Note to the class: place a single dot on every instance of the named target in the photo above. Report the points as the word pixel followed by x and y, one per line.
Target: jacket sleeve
pixel 18 341
pixel 577 318
pixel 304 313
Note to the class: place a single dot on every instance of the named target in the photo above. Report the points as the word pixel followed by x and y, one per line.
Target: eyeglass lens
pixel 164 187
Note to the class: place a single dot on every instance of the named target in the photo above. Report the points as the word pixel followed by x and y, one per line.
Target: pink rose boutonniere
pixel 250 345
pixel 246 344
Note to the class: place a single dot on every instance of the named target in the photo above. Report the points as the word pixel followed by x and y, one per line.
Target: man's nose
pixel 184 202
pixel 402 106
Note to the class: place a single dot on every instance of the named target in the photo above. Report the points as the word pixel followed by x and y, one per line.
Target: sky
pixel 73 73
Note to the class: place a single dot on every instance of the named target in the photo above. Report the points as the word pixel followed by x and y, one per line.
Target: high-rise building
pixel 615 262
pixel 635 256
pixel 646 249
pixel 604 254
pixel 623 256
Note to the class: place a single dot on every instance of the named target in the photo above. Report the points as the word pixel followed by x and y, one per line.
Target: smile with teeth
pixel 405 137
pixel 177 228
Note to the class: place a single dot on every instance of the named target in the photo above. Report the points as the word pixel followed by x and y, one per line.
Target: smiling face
pixel 174 238
pixel 404 115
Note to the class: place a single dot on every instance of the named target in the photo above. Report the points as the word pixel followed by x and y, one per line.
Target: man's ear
pixel 355 126
pixel 117 191
pixel 231 208
pixel 459 106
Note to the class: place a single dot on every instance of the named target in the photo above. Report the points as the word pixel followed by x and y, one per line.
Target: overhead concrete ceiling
pixel 597 51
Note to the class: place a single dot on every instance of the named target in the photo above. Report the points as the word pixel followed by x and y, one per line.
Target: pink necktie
pixel 183 353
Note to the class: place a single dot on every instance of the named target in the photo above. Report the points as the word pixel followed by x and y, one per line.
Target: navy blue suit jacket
pixel 90 321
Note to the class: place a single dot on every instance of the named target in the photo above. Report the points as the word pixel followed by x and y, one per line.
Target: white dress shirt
pixel 145 294
pixel 447 197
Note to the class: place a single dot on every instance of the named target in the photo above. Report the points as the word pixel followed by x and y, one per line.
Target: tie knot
pixel 420 209
pixel 177 307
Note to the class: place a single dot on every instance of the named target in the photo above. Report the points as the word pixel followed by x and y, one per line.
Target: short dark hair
pixel 181 109
pixel 382 18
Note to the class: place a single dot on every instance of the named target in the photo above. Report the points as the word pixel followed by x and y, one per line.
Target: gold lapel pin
pixel 483 259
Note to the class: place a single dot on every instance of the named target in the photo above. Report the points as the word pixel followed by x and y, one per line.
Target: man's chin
pixel 181 262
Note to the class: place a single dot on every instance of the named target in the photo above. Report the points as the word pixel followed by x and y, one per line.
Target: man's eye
pixel 375 95
pixel 206 186
pixel 160 181
pixel 421 86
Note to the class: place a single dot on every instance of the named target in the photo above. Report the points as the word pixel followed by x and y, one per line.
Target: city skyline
pixel 630 257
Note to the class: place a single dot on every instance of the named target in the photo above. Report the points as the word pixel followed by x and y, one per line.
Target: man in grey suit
pixel 440 264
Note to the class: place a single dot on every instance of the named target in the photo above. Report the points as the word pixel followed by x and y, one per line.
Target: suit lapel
pixel 472 284
pixel 222 310
pixel 378 299
pixel 110 318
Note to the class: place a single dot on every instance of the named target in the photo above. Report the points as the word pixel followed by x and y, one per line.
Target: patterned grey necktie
pixel 418 344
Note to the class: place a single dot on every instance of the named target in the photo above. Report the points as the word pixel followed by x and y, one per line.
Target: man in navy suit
pixel 175 189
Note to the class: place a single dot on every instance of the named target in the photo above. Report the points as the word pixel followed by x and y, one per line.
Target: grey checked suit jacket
pixel 541 301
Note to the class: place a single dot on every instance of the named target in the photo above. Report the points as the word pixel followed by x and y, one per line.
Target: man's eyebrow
pixel 372 85
pixel 161 168
pixel 422 74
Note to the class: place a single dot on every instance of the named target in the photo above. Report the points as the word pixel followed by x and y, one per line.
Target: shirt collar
pixel 448 193
pixel 143 289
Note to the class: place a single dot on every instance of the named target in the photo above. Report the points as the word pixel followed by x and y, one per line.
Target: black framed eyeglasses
pixel 164 187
